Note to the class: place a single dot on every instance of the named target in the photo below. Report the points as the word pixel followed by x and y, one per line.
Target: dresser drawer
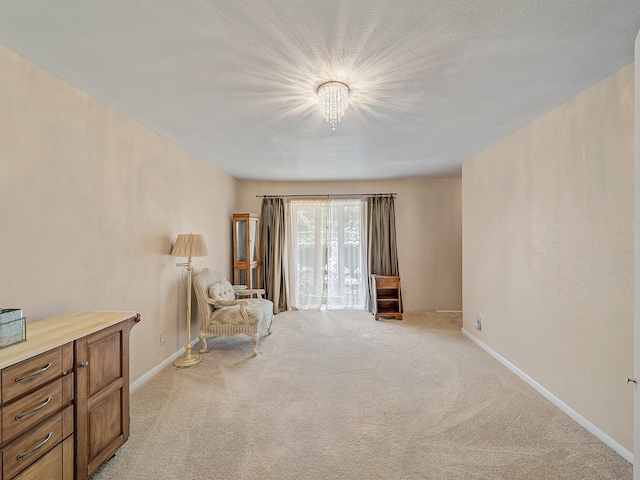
pixel 25 376
pixel 48 467
pixel 38 441
pixel 55 465
pixel 25 412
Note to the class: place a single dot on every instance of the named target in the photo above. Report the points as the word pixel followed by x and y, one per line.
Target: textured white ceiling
pixel 233 81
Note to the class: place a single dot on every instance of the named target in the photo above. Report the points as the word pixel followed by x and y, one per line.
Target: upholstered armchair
pixel 226 312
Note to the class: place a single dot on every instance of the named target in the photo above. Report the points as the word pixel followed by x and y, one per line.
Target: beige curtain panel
pixel 272 252
pixel 382 249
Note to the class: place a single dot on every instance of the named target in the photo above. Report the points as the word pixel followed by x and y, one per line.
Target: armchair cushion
pixel 221 291
pixel 224 303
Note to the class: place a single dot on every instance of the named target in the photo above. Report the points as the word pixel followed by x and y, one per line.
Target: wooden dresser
pixel 387 300
pixel 64 396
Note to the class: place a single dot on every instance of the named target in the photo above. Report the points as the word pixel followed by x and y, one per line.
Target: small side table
pixel 387 301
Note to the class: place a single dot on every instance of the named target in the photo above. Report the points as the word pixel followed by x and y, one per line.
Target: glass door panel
pixel 253 240
pixel 241 241
pixel 240 276
pixel 254 277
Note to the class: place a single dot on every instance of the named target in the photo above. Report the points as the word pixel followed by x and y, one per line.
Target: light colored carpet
pixel 337 395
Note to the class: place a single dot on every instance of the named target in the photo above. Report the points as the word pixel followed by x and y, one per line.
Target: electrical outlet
pixel 478 323
pixel 163 337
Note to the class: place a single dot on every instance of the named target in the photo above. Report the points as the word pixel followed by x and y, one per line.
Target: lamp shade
pixel 190 245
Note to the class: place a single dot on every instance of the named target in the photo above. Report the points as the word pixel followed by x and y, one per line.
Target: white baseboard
pixel 144 378
pixel 603 437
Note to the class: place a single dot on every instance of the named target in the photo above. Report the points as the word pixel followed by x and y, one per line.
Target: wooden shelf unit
pixel 246 250
pixel 387 298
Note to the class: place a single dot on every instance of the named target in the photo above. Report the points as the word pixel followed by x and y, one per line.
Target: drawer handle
pixel 22 378
pixel 84 364
pixel 40 445
pixel 39 407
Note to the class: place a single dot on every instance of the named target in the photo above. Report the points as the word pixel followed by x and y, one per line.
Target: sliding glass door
pixel 346 255
pixel 327 254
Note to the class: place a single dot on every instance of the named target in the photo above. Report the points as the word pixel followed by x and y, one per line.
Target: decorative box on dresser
pixel 387 298
pixel 64 396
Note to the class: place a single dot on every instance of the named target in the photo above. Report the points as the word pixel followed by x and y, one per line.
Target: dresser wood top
pixel 55 331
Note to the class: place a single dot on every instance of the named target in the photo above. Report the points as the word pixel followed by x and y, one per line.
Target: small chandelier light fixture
pixel 334 100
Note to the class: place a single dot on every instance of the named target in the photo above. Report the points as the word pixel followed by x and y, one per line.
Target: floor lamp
pixel 189 245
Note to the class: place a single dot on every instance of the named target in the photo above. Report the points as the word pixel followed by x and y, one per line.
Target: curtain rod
pixel 330 195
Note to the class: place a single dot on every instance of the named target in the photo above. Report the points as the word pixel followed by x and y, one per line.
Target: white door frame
pixel 636 296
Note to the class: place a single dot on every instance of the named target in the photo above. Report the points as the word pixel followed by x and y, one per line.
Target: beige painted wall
pixel 428 223
pixel 90 203
pixel 548 251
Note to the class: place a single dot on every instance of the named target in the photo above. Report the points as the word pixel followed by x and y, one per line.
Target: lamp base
pixel 189 360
